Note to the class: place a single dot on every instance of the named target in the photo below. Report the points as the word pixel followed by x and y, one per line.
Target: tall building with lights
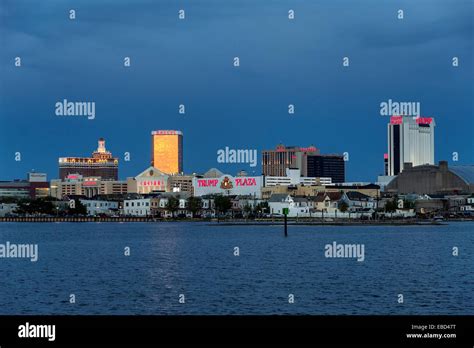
pixel 102 164
pixel 410 140
pixel 327 166
pixel 167 151
pixel 275 162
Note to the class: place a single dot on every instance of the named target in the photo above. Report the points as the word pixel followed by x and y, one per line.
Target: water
pixel 197 260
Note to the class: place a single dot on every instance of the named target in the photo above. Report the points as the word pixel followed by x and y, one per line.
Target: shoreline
pixel 238 222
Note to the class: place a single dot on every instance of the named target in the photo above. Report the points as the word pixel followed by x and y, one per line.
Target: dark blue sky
pixel 190 61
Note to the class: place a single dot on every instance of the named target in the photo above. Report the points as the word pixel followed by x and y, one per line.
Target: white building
pixel 410 140
pixel 150 180
pixel 293 177
pixel 7 208
pixel 357 201
pixel 99 207
pixel 297 206
pixel 140 207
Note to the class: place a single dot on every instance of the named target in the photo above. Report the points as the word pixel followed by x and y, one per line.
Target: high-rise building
pixel 326 166
pixel 101 164
pixel 410 140
pixel 275 162
pixel 167 151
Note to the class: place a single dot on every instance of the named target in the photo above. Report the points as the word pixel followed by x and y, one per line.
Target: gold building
pixel 167 151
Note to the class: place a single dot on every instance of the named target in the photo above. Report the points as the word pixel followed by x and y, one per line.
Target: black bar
pixel 286 330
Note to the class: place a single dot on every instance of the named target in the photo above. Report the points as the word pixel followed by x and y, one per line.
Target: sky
pixel 190 62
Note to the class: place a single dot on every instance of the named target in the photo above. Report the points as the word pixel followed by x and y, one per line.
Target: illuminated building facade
pixel 35 186
pixel 228 185
pixel 167 151
pixel 275 162
pixel 150 180
pixel 101 164
pixel 78 185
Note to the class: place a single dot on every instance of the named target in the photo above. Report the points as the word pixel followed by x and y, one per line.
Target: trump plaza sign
pixel 229 185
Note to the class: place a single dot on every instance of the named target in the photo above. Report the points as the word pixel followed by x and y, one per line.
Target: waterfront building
pixel 181 183
pixel 275 162
pixel 78 185
pixel 327 202
pixel 150 180
pixel 7 209
pixel 293 177
pixel 35 186
pixel 371 190
pixel 433 179
pixel 101 164
pixel 357 201
pixel 100 207
pixel 297 206
pixel 141 207
pixel 167 151
pixel 410 140
pixel 228 185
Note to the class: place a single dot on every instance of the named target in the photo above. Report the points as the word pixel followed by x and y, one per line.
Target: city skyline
pixel 281 63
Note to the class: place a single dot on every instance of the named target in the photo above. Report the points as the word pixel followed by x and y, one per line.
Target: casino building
pixel 307 160
pixel 410 140
pixel 78 185
pixel 327 166
pixel 101 164
pixel 275 162
pixel 150 180
pixel 167 151
pixel 215 182
pixel 36 185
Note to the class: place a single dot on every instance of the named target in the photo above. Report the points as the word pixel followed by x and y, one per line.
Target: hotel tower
pixel 410 140
pixel 167 151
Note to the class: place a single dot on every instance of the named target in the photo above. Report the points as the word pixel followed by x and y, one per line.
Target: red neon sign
pixel 151 183
pixel 396 120
pixel 207 182
pixel 245 182
pixel 424 120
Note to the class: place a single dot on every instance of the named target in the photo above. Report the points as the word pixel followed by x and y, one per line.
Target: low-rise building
pixel 141 207
pixel 7 209
pixel 357 201
pixel 35 186
pixel 293 177
pixel 434 179
pixel 297 206
pixel 100 207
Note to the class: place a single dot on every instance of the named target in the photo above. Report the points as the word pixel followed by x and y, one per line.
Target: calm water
pixel 197 260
